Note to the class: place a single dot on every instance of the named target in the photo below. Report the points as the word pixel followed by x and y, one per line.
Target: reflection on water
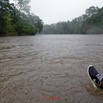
pixel 49 66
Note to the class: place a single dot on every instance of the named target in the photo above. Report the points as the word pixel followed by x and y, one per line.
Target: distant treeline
pixel 16 19
pixel 89 23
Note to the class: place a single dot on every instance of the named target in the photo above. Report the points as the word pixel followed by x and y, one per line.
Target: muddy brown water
pixel 49 68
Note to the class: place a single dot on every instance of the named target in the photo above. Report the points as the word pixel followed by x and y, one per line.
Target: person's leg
pixel 95 76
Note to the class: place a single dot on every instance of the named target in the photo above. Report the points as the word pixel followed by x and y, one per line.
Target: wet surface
pixel 32 68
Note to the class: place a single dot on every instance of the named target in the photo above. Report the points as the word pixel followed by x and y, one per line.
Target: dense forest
pixel 89 23
pixel 16 19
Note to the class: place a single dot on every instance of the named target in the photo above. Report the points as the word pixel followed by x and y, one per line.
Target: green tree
pixel 89 23
pixel 15 19
pixel 91 11
pixel 22 5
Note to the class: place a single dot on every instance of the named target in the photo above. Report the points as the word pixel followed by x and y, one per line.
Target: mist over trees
pixel 16 19
pixel 89 23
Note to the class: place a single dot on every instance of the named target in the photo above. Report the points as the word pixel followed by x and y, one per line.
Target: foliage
pixel 89 23
pixel 15 19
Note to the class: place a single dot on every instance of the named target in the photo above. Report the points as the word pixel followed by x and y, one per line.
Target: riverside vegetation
pixel 89 23
pixel 16 19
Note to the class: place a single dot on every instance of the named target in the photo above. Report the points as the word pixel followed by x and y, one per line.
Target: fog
pixel 52 11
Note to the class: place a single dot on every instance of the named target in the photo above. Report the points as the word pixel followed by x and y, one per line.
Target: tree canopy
pixel 16 19
pixel 89 23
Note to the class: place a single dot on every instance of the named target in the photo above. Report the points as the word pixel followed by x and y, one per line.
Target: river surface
pixel 49 68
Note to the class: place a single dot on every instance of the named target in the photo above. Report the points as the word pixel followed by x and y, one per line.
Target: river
pixel 49 68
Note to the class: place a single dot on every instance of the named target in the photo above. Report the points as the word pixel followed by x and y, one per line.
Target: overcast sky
pixel 52 11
